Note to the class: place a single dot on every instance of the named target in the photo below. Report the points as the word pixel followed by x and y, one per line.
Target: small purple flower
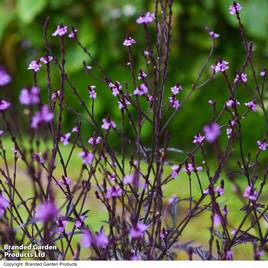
pixel 212 132
pixel 174 103
pixel 3 205
pixel 234 8
pixel 175 171
pixel 173 200
pixel 147 18
pixel 35 66
pixel 137 230
pixel 250 193
pixel 229 132
pixel 94 140
pixel 142 75
pixel 115 87
pixel 66 181
pixel 29 96
pixel 39 158
pixel 60 31
pixel 47 211
pixel 101 239
pixel 42 116
pixel 262 145
pixel 141 90
pixel 61 224
pixel 221 66
pixel 198 139
pixel 232 103
pixel 113 192
pixel 4 105
pixel 79 222
pixel 241 77
pixel 123 103
pixel 189 168
pixel 73 33
pixel 213 35
pixel 2 132
pixel 46 59
pixel 92 92
pixel 5 78
pixel 75 129
pixel 65 138
pixel 229 255
pixel 251 105
pixel 108 124
pixel 176 89
pixel 263 73
pixel 129 41
pixel 87 157
pixel 87 238
pixel 128 179
pixel 216 220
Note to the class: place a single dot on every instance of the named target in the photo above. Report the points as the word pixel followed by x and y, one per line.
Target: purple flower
pixel 87 157
pixel 251 106
pixel 176 89
pixel 61 224
pixel 5 78
pixel 232 103
pixel 46 59
pixel 229 255
pixel 128 179
pixel 108 123
pixel 174 103
pixel 92 92
pixel 94 140
pixel 60 31
pixel 262 145
pixel 65 138
pixel 263 73
pixel 221 66
pixel 243 78
pixel 142 75
pixel 38 158
pixel 123 103
pixel 73 33
pixel 229 132
pixel 42 116
pixel 87 238
pixel 175 171
pixel 115 87
pixel 113 192
pixel 250 193
pixel 75 129
pixel 137 230
pixel 66 181
pixel 189 168
pixel 213 35
pixel 34 65
pixel 198 138
pixel 129 41
pixel 101 239
pixel 216 219
pixel 4 105
pixel 141 90
pixel 47 211
pixel 3 205
pixel 173 200
pixel 1 132
pixel 148 17
pixel 29 96
pixel 212 132
pixel 234 8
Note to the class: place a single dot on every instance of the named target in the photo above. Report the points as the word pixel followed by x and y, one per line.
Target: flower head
pixel 220 66
pixel 147 18
pixel 262 145
pixel 129 41
pixel 251 105
pixel 107 124
pixel 198 138
pixel 263 73
pixel 113 192
pixel 189 168
pixel 65 138
pixel 4 105
pixel 176 89
pixel 232 103
pixel 241 77
pixel 123 103
pixel 213 35
pixel 87 157
pixel 250 193
pixel 30 96
pixel 35 66
pixel 175 171
pixel 73 33
pixel 92 92
pixel 3 205
pixel 42 116
pixel 115 87
pixel 94 140
pixel 234 8
pixel 60 31
pixel 137 230
pixel 47 211
pixel 5 78
pixel 87 238
pixel 101 239
pixel 142 75
pixel 46 59
pixel 212 132
pixel 174 103
pixel 128 179
pixel 216 219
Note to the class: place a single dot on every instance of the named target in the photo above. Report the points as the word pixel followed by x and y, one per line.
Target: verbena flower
pixel 5 78
pixel 2 132
pixel 173 200
pixel 174 103
pixel 87 157
pixel 263 73
pixel 113 192
pixel 175 171
pixel 129 41
pixel 128 179
pixel 212 132
pixel 176 89
pixel 47 211
pixel 94 140
pixel 262 145
pixel 4 105
pixel 29 96
pixel 220 66
pixel 115 87
pixel 101 239
pixel 232 103
pixel 60 226
pixel 137 230
pixel 189 168
pixel 123 103
pixel 39 158
pixel 213 35
pixel 35 66
pixel 92 92
pixel 141 75
pixel 251 105
pixel 42 116
pixel 87 238
pixel 46 59
pixel 4 203
pixel 107 124
pixel 229 132
pixel 234 8
pixel 66 181
pixel 241 77
pixel 147 18
pixel 60 31
pixel 73 33
pixel 216 220
pixel 229 255
pixel 65 138
pixel 250 193
pixel 198 138
pixel 141 90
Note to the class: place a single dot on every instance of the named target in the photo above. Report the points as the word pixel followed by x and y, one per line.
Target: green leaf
pixel 6 16
pixel 27 10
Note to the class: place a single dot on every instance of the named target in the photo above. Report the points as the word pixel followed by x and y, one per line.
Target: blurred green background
pixel 102 26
